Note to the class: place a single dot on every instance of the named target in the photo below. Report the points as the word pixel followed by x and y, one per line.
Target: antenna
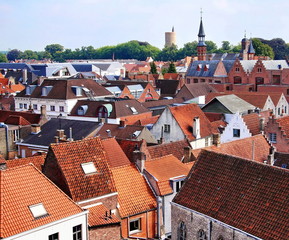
pixel 201 13
pixel 245 34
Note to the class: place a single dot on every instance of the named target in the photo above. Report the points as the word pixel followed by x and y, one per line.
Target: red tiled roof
pixel 37 160
pixel 29 117
pixel 174 76
pixel 242 148
pixel 22 187
pixel 146 121
pixel 174 148
pixel 128 146
pixel 71 155
pixel 163 169
pixel 185 114
pixel 135 199
pixel 100 215
pixel 17 120
pixel 247 195
pixel 116 156
pixel 214 116
pixel 253 123
pixel 284 124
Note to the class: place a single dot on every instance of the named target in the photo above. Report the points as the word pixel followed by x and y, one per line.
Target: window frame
pixel 76 231
pixel 137 228
pixel 61 108
pixel 236 132
pixel 52 236
pixel 52 108
pixel 182 231
pixel 273 137
pixel 167 128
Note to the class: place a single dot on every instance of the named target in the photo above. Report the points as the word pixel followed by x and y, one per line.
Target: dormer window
pixel 206 68
pixel 46 90
pixel 199 67
pixel 88 168
pixel 38 210
pixel 82 110
pixel 30 89
pixel 77 90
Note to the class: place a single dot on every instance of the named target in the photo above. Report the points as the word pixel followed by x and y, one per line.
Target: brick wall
pixel 105 233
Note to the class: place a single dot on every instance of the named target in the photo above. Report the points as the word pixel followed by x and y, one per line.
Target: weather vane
pixel 201 13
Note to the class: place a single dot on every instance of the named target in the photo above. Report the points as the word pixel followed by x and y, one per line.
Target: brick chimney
pixel 196 128
pixel 121 123
pixel 216 139
pixel 35 128
pixel 187 154
pixel 139 159
pixel 60 134
pixel 271 156
pixel 262 124
pixel 43 117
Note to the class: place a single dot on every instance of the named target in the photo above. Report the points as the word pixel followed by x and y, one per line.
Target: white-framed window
pixel 54 236
pixel 167 128
pixel 273 137
pixel 135 226
pixel 16 135
pixel 21 105
pixel 182 231
pixel 34 106
pixel 52 108
pixel 77 233
pixel 38 210
pixel 88 168
pixel 61 108
pixel 236 132
pixel 178 185
pixel 25 106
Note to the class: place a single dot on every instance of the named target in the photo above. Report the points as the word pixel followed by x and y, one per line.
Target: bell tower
pixel 202 47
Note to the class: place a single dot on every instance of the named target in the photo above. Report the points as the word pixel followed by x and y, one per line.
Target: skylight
pixel 134 111
pixel 38 210
pixel 88 168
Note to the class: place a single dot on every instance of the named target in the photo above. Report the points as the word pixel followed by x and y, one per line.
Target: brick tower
pixel 202 47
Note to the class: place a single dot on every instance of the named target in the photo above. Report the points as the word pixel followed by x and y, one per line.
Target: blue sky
pixel 33 24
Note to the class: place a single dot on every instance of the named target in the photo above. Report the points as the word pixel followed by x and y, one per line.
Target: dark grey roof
pixel 201 30
pixel 80 130
pixel 228 65
pixel 102 66
pixel 224 56
pixel 251 48
pixel 194 72
pixel 82 67
pixel 39 69
pixel 18 66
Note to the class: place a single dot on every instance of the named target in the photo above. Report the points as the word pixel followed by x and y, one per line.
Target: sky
pixel 33 24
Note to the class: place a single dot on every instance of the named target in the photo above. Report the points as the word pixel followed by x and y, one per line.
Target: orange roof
pixel 146 121
pixel 185 114
pixel 37 160
pixel 253 123
pixel 100 215
pixel 116 156
pixel 69 156
pixel 261 148
pixel 173 76
pixel 17 120
pixel 134 199
pixel 22 187
pixel 165 168
pixel 17 87
pixel 284 124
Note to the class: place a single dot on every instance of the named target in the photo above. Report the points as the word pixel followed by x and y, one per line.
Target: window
pixel 52 108
pixel 279 111
pixel 61 109
pixel 38 210
pixel 259 70
pixel 21 105
pixel 220 238
pixel 182 231
pixel 77 234
pixel 179 185
pixel 203 80
pixel 16 135
pixel 167 128
pixel 135 226
pixel 25 106
pixel 237 69
pixel 134 111
pixel 206 142
pixel 287 91
pixel 88 167
pixel 273 137
pixel 54 236
pixel 196 80
pixel 201 235
pixel 188 81
pixel 284 165
pixel 35 106
pixel 236 132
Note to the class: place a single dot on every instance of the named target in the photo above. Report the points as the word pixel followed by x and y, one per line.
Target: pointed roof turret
pixel 251 48
pixel 201 29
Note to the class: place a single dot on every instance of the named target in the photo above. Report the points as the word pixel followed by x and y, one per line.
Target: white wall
pixel 235 121
pixel 283 105
pixel 63 227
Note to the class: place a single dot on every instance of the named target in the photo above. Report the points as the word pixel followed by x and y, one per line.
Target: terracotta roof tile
pixel 136 199
pixel 100 215
pixel 185 114
pixel 128 146
pixel 163 169
pixel 17 120
pixel 71 155
pixel 116 156
pixel 37 160
pixel 261 148
pixel 29 117
pixel 247 195
pixel 22 187
pixel 253 123
pixel 284 124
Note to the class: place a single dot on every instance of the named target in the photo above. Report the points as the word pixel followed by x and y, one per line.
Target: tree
pixel 226 46
pixel 189 49
pixel 29 54
pixel 172 68
pixel 211 46
pixel 153 68
pixel 54 48
pixel 168 53
pixel 279 47
pixel 262 49
pixel 3 58
pixel 13 54
pixel 236 49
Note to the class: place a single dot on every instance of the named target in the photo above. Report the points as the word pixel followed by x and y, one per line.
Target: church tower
pixel 170 38
pixel 202 47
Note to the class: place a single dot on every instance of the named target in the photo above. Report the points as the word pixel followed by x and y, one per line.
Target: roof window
pixel 76 90
pixel 134 111
pixel 88 168
pixel 46 90
pixel 38 210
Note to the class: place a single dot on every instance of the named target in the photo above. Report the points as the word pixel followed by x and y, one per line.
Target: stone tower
pixel 170 38
pixel 202 47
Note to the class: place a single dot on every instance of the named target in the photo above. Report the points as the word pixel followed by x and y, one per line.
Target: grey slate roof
pixel 248 65
pixel 251 48
pixel 80 129
pixel 193 72
pixel 274 64
pixel 82 67
pixel 201 30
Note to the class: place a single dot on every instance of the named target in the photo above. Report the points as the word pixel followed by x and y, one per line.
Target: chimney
pixel 216 139
pixel 262 124
pixel 56 139
pixel 43 117
pixel 35 128
pixel 60 134
pixel 271 155
pixel 139 159
pixel 70 135
pixel 24 76
pixel 108 133
pixel 187 154
pixel 196 127
pixel 121 123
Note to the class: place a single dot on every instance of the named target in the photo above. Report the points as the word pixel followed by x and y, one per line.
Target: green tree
pixel 172 68
pixel 262 49
pixel 279 47
pixel 168 53
pixel 29 54
pixel 236 49
pixel 53 49
pixel 226 46
pixel 153 68
pixel 13 54
pixel 211 46
pixel 189 49
pixel 3 58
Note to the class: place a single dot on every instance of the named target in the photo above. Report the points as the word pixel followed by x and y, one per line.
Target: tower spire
pixel 201 48
pixel 173 29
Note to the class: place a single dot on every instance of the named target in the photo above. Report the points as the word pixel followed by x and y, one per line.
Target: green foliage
pixel 168 53
pixel 29 54
pixel 3 58
pixel 262 49
pixel 211 46
pixel 13 54
pixel 153 68
pixel 172 68
pixel 279 47
pixel 54 49
pixel 189 49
